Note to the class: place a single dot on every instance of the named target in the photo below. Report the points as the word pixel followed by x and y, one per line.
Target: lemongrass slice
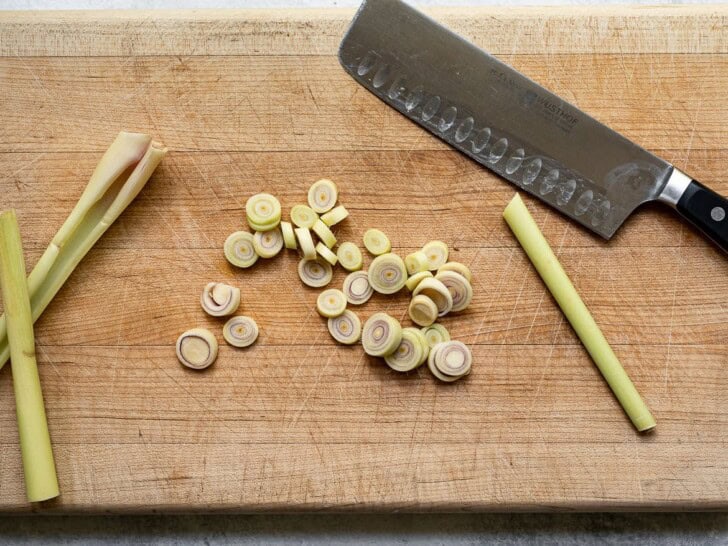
pixel 381 335
pixel 322 195
pixel 437 292
pixel 376 242
pixel 240 331
pixel 197 348
pixel 219 299
pixel 239 249
pixel 303 216
pixel 422 310
pixel 315 273
pixel 331 303
pixel 410 353
pixel 357 288
pixel 436 252
pixel 289 237
pixel 457 267
pixel 452 359
pixel 435 333
pixel 346 328
pixel 268 243
pixel 326 253
pixel 416 262
pixel 305 241
pixel 423 342
pixel 324 233
pixel 416 279
pixel 350 256
pixel 263 212
pixel 387 273
pixel 334 216
pixel 431 365
pixel 459 287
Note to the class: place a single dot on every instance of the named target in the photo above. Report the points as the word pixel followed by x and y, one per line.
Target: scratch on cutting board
pixel 676 277
pixel 692 133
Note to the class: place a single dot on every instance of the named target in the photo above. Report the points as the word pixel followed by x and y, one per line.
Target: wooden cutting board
pixel 251 101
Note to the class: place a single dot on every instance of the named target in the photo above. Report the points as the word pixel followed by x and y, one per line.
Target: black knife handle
pixel 707 211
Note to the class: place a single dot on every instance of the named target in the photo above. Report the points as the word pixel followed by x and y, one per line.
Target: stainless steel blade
pixel 499 117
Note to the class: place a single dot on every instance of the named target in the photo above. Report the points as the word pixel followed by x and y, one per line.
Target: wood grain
pixel 251 101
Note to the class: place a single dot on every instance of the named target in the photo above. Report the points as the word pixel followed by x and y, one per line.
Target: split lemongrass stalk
pixel 120 175
pixel 41 482
pixel 539 252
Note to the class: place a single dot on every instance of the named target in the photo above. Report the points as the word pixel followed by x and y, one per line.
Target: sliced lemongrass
pixel 437 292
pixel 305 242
pixel 416 279
pixel 435 333
pixel 263 212
pixel 240 331
pixel 357 288
pixel 387 273
pixel 268 243
pixel 381 335
pixel 303 216
pixel 322 195
pixel 436 252
pixel 324 233
pixel 334 216
pixel 423 342
pixel 433 368
pixel 376 242
pixel 326 253
pixel 239 249
pixel 331 303
pixel 197 348
pixel 219 299
pixel 346 328
pixel 416 262
pixel 457 267
pixel 459 287
pixel 289 237
pixel 422 310
pixel 452 358
pixel 315 273
pixel 350 256
pixel 409 354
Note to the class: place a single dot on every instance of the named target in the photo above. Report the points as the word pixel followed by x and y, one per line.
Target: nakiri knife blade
pixel 513 126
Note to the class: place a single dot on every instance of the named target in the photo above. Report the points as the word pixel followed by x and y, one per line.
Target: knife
pixel 513 126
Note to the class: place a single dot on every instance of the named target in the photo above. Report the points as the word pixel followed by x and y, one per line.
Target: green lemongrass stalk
pixel 120 175
pixel 41 482
pixel 539 252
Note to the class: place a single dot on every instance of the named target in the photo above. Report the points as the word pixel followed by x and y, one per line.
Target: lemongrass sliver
pixel 305 242
pixel 387 273
pixel 410 353
pixel 457 267
pixel 324 233
pixel 326 253
pixel 422 310
pixel 219 299
pixel 335 215
pixel 197 348
pixel 376 242
pixel 437 292
pixel 263 212
pixel 357 288
pixel 416 279
pixel 416 262
pixel 346 328
pixel 381 335
pixel 459 287
pixel 433 368
pixel 267 244
pixel 452 359
pixel 322 195
pixel 240 331
pixel 239 249
pixel 331 303
pixel 289 237
pixel 435 333
pixel 436 252
pixel 315 273
pixel 303 216
pixel 350 256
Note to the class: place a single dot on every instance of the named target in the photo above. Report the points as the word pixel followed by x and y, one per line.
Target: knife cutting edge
pixel 513 126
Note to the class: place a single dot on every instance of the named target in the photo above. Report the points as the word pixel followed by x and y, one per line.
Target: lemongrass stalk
pixel 120 175
pixel 539 252
pixel 39 467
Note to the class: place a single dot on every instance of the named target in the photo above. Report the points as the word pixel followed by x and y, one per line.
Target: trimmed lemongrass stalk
pixel 118 178
pixel 39 467
pixel 539 252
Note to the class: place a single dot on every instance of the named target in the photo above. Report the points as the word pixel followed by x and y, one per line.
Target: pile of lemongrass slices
pixel 438 287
